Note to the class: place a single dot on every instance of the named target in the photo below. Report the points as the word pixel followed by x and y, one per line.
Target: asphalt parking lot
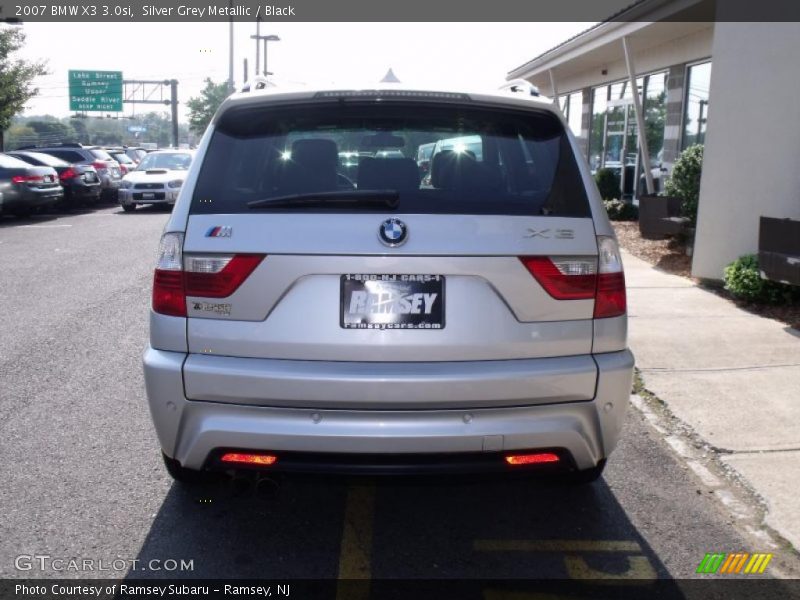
pixel 83 476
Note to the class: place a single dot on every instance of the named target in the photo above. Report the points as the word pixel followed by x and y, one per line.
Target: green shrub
pixel 608 183
pixel 684 182
pixel 621 211
pixel 742 279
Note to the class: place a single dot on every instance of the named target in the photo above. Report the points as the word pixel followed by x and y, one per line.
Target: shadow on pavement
pixel 512 530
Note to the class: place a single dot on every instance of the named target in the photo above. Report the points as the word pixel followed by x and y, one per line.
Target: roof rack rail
pixel 522 86
pixel 257 83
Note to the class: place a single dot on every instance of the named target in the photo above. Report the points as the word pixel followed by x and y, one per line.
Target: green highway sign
pixel 95 91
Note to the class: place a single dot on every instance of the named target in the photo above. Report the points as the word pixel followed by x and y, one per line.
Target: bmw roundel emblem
pixel 393 232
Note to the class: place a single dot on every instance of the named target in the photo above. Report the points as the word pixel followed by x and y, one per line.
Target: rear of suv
pixel 308 320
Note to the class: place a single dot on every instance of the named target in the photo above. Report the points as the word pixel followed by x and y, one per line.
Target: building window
pixel 655 114
pixel 571 106
pixel 696 114
pixel 598 126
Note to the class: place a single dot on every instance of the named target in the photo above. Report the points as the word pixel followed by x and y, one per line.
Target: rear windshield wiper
pixel 379 198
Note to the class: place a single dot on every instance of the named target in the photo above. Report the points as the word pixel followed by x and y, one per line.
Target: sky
pixel 472 55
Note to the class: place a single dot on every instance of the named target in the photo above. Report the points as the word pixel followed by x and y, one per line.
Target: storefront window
pixel 696 115
pixel 571 107
pixel 655 114
pixel 597 131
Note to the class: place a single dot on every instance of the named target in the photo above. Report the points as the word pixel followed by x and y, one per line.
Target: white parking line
pixel 45 226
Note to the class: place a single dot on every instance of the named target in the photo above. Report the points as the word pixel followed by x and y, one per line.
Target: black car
pixel 26 188
pixel 81 182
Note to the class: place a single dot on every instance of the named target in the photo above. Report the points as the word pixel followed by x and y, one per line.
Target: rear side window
pixel 101 154
pixel 482 160
pixel 9 162
pixel 40 158
pixel 68 155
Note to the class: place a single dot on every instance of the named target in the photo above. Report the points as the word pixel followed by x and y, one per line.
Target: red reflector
pixel 168 295
pixel 555 283
pixel 610 300
pixel 227 281
pixel 532 459
pixel 249 459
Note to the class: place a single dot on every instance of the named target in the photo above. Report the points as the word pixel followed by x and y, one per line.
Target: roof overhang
pixel 647 24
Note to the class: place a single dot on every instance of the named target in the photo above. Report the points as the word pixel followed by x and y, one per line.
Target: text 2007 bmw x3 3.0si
pixel 324 302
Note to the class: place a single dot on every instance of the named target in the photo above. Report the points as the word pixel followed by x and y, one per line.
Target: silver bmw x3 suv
pixel 310 318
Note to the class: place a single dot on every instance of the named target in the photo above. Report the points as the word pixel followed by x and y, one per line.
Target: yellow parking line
pixel 355 555
pixel 556 546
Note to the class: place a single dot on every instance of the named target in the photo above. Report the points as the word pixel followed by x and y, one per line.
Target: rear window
pixel 45 159
pixel 482 161
pixel 9 162
pixel 68 155
pixel 122 158
pixel 101 154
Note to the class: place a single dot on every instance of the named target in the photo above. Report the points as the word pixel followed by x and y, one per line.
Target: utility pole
pixel 244 80
pixel 257 38
pixel 173 85
pixel 266 39
pixel 231 85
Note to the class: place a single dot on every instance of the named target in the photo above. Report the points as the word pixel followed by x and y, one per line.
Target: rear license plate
pixel 372 301
pixel 89 177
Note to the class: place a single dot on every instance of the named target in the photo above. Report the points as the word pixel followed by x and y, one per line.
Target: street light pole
pixel 266 39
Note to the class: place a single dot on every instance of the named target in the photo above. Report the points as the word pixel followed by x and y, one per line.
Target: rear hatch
pixel 493 258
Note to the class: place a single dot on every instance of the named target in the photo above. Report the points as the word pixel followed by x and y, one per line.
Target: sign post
pixel 97 91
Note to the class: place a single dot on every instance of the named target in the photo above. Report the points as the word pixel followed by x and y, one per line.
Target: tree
pixel 16 77
pixel 203 107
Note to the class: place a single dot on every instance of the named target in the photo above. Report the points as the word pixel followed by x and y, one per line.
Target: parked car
pixel 126 163
pixel 157 179
pixel 107 168
pixel 80 182
pixel 476 325
pixel 135 153
pixel 26 188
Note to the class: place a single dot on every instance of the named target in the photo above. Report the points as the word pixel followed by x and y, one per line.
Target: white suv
pixel 305 319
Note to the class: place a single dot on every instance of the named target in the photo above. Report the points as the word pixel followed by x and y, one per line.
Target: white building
pixel 731 86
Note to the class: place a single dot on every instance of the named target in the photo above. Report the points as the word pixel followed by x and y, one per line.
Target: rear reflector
pixel 249 459
pixel 532 459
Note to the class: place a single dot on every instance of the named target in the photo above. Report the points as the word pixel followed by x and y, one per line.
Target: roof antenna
pixel 390 77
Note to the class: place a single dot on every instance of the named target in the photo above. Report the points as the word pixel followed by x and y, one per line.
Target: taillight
pixel 27 178
pixel 99 165
pixel 610 300
pixel 218 276
pixel 206 276
pixel 123 169
pixel 564 278
pixel 68 174
pixel 584 278
pixel 169 297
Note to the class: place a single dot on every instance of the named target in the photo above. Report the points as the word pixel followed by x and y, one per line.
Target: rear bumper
pixel 192 431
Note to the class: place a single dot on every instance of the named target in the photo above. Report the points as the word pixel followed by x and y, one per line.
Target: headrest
pixel 450 170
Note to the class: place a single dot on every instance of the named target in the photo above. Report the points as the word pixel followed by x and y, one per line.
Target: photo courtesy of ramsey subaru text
pixel 325 301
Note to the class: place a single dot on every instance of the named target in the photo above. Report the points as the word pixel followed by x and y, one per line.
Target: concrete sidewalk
pixel 731 375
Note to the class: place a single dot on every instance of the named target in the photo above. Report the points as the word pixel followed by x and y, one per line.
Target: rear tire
pixel 128 207
pixel 186 476
pixel 587 475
